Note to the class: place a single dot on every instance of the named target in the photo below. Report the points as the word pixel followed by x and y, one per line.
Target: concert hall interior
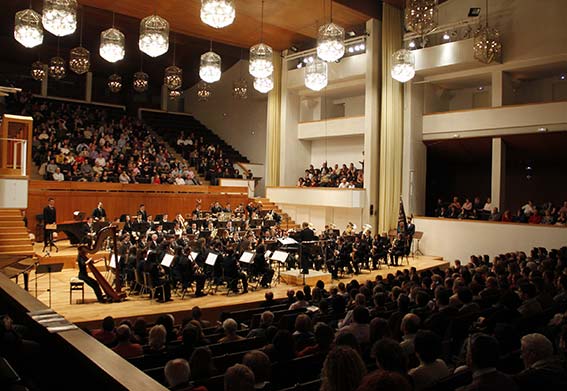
pixel 283 195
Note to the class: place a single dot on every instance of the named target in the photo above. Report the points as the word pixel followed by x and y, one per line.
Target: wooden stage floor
pixel 91 313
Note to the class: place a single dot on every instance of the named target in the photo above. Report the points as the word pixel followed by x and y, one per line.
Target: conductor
pixel 99 214
pixel 49 219
pixel 82 260
pixel 306 235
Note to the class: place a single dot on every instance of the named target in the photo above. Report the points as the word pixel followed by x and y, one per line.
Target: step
pixel 12 223
pixel 16 249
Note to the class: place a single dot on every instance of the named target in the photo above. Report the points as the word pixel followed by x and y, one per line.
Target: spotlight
pixel 299 65
pixel 362 46
pixel 351 33
pixel 542 129
pixel 474 12
pixel 294 49
pixel 562 77
pixel 446 37
pixel 305 60
pixel 481 88
pixel 412 44
pixel 310 59
pixel 351 49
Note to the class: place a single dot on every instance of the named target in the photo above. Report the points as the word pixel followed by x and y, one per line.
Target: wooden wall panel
pixel 119 199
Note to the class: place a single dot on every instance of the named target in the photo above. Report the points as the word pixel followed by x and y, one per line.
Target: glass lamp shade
pixel 316 75
pixel 56 68
pixel 27 28
pixel 114 83
pixel 60 16
pixel 240 89
pixel 154 36
pixel 487 46
pixel 112 45
pixel 203 91
pixel 210 68
pixel 264 85
pixel 79 60
pixel 261 65
pixel 217 13
pixel 38 70
pixel 331 42
pixel 173 77
pixel 140 82
pixel 403 65
pixel 420 16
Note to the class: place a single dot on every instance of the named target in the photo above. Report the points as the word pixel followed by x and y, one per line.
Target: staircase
pixel 287 222
pixel 169 126
pixel 16 249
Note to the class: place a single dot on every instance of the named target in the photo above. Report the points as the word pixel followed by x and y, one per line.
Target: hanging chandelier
pixel 173 78
pixel 264 84
pixel 217 13
pixel 261 55
pixel 79 60
pixel 60 16
pixel 210 68
pixel 331 42
pixel 112 45
pixel 403 65
pixel 140 81
pixel 487 46
pixel 154 36
pixel 203 91
pixel 174 94
pixel 316 75
pixel 114 83
pixel 56 68
pixel 420 16
pixel 38 71
pixel 240 89
pixel 27 28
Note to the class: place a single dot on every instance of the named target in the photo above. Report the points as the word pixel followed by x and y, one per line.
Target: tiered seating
pixel 286 222
pixel 16 249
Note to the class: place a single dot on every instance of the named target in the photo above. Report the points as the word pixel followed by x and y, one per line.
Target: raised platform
pixel 91 313
pixel 294 277
pixel 67 254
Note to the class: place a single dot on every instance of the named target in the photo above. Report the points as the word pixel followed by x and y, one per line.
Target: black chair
pixel 157 374
pixel 452 382
pixel 236 346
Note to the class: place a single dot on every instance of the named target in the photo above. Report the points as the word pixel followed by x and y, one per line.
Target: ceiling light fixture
pixel 38 70
pixel 330 40
pixel 60 16
pixel 316 75
pixel 203 91
pixel 27 28
pixel 154 36
pixel 112 44
pixel 114 83
pixel 217 13
pixel 403 65
pixel 487 46
pixel 420 16
pixel 210 68
pixel 264 84
pixel 173 78
pixel 79 57
pixel 261 55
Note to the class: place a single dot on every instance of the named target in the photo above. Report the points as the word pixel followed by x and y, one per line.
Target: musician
pixel 216 208
pixel 232 272
pixel 228 208
pixel 306 235
pixel 380 249
pixel 99 214
pixel 197 212
pixel 397 250
pixel 193 230
pixel 128 225
pixel 341 259
pixel 142 214
pixel 49 217
pixel 177 230
pixel 229 227
pixel 360 253
pixel 188 271
pixel 158 277
pixel 261 267
pixel 88 230
pixel 82 259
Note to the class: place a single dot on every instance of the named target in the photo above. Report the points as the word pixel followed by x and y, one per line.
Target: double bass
pixel 110 231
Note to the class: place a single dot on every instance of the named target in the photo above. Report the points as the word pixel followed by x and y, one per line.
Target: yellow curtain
pixel 273 126
pixel 391 134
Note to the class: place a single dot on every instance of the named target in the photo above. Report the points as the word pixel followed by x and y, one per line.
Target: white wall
pixel 337 150
pixel 319 216
pixel 241 123
pixel 455 239
pixel 14 193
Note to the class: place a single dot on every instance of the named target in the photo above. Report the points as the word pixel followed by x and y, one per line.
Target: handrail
pixel 21 159
pixel 507 223
pixel 313 188
pixel 493 107
pixel 331 119
pixel 80 101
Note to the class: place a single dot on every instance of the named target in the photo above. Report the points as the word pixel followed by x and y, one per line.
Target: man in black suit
pixel 99 214
pixel 142 214
pixel 82 259
pixel 306 235
pixel 88 231
pixel 232 272
pixel 49 217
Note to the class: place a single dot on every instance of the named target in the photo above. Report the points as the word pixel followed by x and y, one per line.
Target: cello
pixel 114 295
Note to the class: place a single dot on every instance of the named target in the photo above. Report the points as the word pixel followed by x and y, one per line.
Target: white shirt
pixel 58 176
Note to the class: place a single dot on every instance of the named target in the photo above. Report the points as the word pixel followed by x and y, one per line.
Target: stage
pixel 91 313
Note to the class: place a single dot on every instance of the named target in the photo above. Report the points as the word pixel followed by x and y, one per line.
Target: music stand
pixel 48 268
pixel 417 237
pixel 280 257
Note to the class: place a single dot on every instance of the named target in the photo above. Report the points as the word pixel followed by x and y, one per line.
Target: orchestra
pixel 142 245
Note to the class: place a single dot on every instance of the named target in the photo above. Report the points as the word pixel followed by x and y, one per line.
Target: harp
pixel 101 236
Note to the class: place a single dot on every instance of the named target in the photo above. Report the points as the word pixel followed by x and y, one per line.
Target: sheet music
pixel 167 259
pixel 279 256
pixel 246 257
pixel 193 255
pixel 211 259
pixel 287 241
pixel 267 254
pixel 112 261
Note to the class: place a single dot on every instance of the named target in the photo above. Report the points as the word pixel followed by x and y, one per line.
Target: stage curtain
pixel 391 135
pixel 273 126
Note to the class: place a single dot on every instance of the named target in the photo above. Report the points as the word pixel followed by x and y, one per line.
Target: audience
pixel 343 177
pixel 124 346
pixel 343 370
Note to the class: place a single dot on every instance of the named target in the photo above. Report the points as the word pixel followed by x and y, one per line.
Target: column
pixel 372 123
pixel 498 185
pixel 391 123
pixel 273 128
pixel 89 87
pixel 44 82
pixel 497 84
pixel 164 97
